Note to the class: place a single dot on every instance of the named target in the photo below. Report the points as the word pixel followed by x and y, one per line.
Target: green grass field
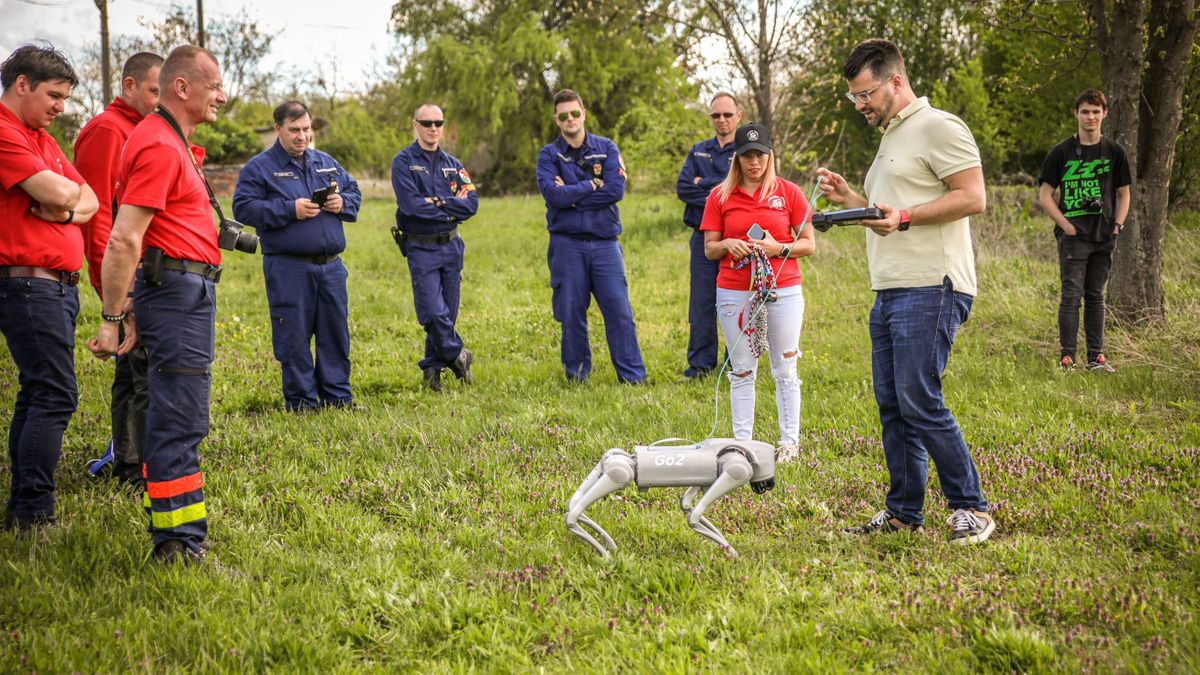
pixel 425 533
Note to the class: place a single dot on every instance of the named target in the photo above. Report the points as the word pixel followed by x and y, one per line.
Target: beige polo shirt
pixel 921 146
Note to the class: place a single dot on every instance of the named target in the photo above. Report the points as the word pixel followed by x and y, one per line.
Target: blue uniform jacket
pixel 266 194
pixel 575 208
pixel 711 163
pixel 415 177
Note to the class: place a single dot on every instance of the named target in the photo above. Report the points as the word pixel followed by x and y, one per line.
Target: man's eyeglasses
pixel 862 96
pixel 562 116
pixel 717 116
pixel 431 123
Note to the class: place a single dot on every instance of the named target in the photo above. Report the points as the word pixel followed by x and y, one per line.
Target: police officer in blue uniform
pixel 582 177
pixel 297 198
pixel 705 167
pixel 434 194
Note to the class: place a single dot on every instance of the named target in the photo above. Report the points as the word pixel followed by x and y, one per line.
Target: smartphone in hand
pixel 756 232
pixel 320 195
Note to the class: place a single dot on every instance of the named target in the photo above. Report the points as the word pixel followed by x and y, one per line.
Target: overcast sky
pixel 351 33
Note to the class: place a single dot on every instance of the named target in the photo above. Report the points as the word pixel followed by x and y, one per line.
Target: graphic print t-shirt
pixel 1087 178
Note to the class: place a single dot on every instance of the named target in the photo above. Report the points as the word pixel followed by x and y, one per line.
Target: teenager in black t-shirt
pixel 1090 175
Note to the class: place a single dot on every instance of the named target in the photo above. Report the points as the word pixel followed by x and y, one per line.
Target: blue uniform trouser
pixel 175 321
pixel 436 271
pixel 702 315
pixel 308 300
pixel 912 330
pixel 37 317
pixel 579 269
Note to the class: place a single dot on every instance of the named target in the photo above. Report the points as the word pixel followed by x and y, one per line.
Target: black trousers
pixel 130 401
pixel 1083 267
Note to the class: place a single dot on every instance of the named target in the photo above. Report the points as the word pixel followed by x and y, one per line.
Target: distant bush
pixel 359 142
pixel 226 141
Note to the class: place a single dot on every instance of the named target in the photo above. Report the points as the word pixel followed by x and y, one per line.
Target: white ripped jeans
pixel 784 319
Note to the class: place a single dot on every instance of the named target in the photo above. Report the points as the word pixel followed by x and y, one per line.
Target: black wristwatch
pixel 70 217
pixel 113 318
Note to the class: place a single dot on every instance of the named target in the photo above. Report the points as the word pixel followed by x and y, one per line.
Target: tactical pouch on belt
pixel 398 235
pixel 152 266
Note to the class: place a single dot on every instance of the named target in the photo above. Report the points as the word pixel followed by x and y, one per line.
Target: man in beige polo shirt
pixel 927 179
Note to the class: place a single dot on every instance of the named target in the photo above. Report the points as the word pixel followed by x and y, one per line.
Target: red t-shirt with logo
pixel 25 239
pixel 156 173
pixel 784 209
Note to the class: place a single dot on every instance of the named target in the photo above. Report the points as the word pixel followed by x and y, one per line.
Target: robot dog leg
pixel 716 466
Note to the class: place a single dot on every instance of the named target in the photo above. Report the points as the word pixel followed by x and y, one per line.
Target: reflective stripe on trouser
pixel 436 271
pixel 580 269
pixel 307 301
pixel 175 321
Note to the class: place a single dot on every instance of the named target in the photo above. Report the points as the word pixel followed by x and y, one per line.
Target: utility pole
pixel 105 58
pixel 200 23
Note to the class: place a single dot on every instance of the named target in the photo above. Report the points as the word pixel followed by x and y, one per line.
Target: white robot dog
pixel 718 466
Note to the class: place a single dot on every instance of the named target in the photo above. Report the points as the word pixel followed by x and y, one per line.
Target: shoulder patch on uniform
pixel 466 177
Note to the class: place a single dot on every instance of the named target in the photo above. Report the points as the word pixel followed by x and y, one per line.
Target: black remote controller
pixel 823 221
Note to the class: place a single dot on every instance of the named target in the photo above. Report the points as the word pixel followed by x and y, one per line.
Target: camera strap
pixel 187 148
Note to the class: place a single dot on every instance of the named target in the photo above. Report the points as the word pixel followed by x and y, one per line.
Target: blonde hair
pixel 734 179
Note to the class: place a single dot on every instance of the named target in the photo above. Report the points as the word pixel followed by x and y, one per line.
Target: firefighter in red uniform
pixel 97 156
pixel 43 199
pixel 164 218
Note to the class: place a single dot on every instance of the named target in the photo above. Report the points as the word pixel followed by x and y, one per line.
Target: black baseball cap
pixel 752 137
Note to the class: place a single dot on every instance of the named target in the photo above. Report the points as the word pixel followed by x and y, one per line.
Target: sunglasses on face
pixel 431 123
pixel 717 116
pixel 562 116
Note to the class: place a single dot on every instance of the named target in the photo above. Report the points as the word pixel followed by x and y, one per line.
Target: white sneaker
pixel 787 452
pixel 970 527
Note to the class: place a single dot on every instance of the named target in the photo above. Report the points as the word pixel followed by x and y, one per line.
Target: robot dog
pixel 717 466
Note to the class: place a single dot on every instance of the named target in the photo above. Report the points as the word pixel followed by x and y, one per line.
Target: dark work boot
pixel 433 378
pixel 173 551
pixel 462 365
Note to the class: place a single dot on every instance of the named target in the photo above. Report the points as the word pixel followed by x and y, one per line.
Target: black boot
pixel 433 378
pixel 462 365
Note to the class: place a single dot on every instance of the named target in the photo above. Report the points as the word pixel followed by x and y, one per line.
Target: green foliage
pixel 966 94
pixel 360 141
pixel 494 70
pixel 425 533
pixel 226 140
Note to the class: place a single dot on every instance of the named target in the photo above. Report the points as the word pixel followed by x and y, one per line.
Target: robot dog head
pixel 762 459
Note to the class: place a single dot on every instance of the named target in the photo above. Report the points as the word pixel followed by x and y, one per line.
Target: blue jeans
pixel 308 300
pixel 37 318
pixel 580 269
pixel 176 323
pixel 912 331
pixel 702 318
pixel 436 271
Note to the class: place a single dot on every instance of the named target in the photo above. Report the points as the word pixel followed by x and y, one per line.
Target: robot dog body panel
pixel 717 466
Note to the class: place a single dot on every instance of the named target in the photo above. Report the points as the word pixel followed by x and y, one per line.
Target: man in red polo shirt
pixel 164 218
pixel 97 156
pixel 41 248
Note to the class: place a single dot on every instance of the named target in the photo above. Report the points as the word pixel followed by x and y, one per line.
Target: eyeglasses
pixel 717 116
pixel 431 123
pixel 862 96
pixel 562 116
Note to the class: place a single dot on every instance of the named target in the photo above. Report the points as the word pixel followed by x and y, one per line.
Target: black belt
pixel 24 272
pixel 203 269
pixel 440 238
pixel 584 236
pixel 314 259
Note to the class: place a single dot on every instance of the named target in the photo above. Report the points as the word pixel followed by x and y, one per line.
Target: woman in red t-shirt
pixel 753 195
